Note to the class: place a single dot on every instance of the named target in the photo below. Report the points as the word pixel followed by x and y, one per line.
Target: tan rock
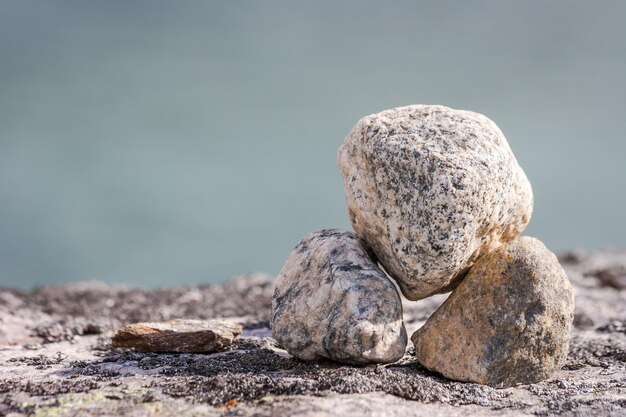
pixel 179 336
pixel 332 301
pixel 431 189
pixel 507 322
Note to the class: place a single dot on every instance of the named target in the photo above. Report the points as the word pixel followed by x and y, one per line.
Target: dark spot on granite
pixel 532 313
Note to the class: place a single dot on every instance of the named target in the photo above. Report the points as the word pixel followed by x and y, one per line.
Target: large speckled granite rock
pixel 431 189
pixel 332 301
pixel 507 323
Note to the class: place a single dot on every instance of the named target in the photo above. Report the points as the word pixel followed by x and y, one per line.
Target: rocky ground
pixel 56 359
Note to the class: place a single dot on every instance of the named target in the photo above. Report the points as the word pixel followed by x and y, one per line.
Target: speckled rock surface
pixel 332 301
pixel 181 336
pixel 55 359
pixel 507 323
pixel 432 189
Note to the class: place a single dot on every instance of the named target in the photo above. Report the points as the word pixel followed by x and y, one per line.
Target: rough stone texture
pixel 181 336
pixel 507 323
pixel 331 300
pixel 256 378
pixel 432 189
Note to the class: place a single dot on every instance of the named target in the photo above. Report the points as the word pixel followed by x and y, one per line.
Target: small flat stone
pixel 507 323
pixel 177 336
pixel 432 189
pixel 331 300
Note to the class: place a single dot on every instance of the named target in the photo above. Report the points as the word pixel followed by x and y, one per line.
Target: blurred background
pixel 162 143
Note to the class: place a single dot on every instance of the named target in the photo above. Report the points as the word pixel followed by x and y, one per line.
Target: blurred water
pixel 163 143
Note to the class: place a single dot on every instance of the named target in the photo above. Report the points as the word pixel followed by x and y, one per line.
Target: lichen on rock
pixel 507 323
pixel 331 300
pixel 431 189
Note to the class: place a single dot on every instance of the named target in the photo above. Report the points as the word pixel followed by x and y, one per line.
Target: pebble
pixel 507 323
pixel 332 301
pixel 431 189
pixel 178 336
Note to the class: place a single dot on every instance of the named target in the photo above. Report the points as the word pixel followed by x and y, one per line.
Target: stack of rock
pixel 437 201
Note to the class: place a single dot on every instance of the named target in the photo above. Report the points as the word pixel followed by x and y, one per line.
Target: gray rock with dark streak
pixel 331 300
pixel 431 189
pixel 507 323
